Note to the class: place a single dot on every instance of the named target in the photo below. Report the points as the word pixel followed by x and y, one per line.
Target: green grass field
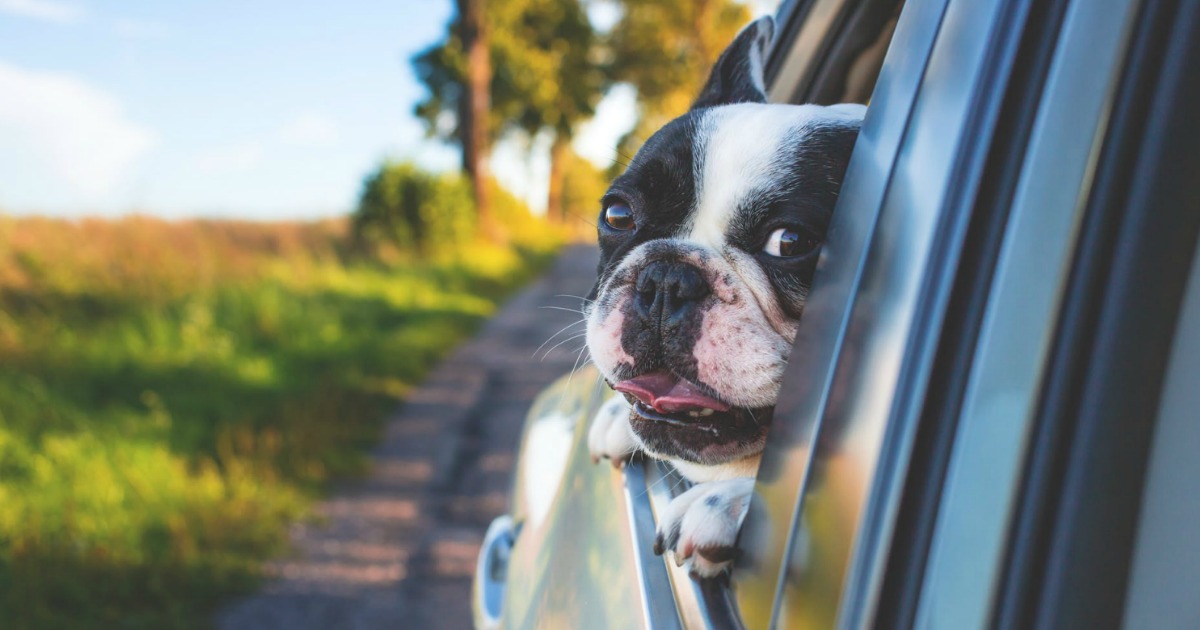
pixel 173 394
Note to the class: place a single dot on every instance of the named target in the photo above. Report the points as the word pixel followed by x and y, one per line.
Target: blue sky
pixel 261 109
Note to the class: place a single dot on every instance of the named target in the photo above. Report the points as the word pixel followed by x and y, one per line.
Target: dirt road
pixel 397 549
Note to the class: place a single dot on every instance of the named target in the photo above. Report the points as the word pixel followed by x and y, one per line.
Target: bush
pixel 410 209
pixel 411 212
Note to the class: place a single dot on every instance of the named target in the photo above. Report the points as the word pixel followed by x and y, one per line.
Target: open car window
pixel 825 52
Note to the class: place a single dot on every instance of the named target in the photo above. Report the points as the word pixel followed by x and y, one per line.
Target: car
pixel 990 418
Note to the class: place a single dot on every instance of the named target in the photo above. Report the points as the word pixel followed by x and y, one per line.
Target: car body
pixel 990 418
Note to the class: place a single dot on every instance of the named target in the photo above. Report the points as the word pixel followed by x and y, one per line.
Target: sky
pixel 257 110
pixel 263 110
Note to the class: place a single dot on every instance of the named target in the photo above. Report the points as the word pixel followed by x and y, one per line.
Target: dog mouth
pixel 662 397
pixel 707 421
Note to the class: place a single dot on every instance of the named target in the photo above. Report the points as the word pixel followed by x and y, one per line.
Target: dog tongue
pixel 667 393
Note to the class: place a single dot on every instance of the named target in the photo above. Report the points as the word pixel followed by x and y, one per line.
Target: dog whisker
pixel 567 340
pixel 561 308
pixel 575 297
pixel 682 480
pixel 651 486
pixel 560 331
pixel 577 365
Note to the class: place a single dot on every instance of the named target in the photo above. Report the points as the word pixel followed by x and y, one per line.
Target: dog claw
pixel 717 554
pixel 701 525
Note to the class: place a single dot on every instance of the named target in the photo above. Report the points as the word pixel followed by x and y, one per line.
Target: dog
pixel 709 241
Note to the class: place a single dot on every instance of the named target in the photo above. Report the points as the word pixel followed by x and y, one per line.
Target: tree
pixel 545 78
pixel 665 48
pixel 458 74
pixel 474 111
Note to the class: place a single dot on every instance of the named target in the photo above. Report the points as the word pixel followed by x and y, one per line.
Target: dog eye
pixel 788 243
pixel 619 217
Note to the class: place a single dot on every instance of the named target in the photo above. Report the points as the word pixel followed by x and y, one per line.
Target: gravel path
pixel 397 549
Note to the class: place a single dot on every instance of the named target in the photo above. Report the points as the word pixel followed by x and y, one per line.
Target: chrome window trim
pixel 700 603
pixel 982 480
pixel 660 613
pixel 662 483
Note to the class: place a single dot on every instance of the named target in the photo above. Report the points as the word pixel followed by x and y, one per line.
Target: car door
pixel 968 413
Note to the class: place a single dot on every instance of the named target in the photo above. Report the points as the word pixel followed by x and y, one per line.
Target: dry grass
pixel 172 394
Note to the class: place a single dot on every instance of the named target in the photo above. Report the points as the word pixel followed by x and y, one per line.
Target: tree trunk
pixel 560 152
pixel 473 125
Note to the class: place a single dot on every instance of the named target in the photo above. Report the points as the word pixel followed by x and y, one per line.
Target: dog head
pixel 708 243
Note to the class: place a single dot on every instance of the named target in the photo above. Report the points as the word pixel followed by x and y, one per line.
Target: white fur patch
pixel 739 146
pixel 708 515
pixel 610 435
pixel 604 327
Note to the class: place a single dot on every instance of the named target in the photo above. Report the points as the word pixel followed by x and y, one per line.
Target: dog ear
pixel 737 77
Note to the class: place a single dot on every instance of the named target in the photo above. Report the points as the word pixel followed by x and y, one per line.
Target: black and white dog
pixel 708 243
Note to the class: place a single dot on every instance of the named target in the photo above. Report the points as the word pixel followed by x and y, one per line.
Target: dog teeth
pixel 706 412
pixel 694 414
pixel 702 413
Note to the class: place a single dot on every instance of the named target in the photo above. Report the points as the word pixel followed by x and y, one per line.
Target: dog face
pixel 708 243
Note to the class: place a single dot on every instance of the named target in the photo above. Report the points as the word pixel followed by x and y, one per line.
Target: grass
pixel 172 395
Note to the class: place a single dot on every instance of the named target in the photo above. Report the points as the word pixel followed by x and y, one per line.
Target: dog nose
pixel 668 291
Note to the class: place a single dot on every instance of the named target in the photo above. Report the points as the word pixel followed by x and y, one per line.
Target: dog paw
pixel 700 526
pixel 610 436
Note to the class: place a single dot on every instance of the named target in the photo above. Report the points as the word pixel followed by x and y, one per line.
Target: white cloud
pixel 241 157
pixel 310 129
pixel 304 130
pixel 48 10
pixel 131 28
pixel 76 131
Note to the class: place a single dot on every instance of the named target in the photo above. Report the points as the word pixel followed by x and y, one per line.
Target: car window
pixel 832 48
pixel 830 51
pixel 768 530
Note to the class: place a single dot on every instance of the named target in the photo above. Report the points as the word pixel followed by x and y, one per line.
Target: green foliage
pixel 544 70
pixel 413 210
pixel 173 394
pixel 405 210
pixel 665 49
pixel 550 67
